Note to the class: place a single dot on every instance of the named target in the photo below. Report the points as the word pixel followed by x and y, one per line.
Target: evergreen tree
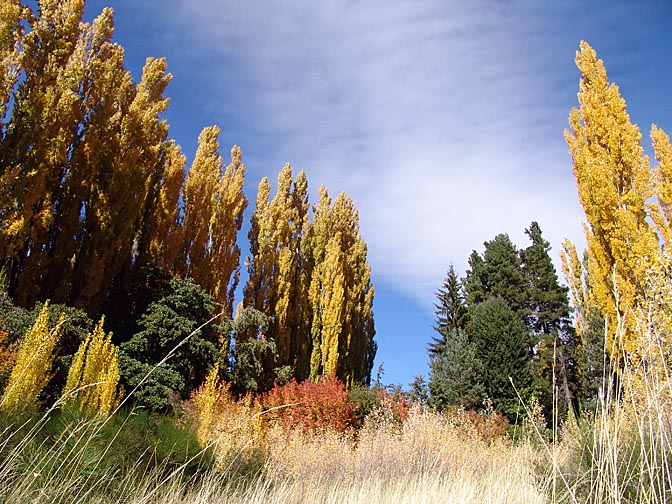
pixel 451 310
pixel 165 326
pixel 501 340
pixel 475 282
pixel 548 319
pixel 456 374
pixel 497 273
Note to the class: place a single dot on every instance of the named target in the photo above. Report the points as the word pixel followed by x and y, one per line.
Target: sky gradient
pixel 442 119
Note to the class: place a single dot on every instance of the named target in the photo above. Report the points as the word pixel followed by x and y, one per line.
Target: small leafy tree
pixel 34 359
pixel 311 406
pixel 94 374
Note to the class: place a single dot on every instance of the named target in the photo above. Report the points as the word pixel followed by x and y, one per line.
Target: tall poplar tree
pixel 277 284
pixel 614 182
pixel 341 293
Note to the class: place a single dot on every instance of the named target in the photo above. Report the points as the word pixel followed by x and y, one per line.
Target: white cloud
pixel 437 117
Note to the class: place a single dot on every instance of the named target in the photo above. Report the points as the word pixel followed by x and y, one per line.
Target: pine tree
pixel 451 310
pixel 475 282
pixel 497 273
pixel 456 373
pixel 614 182
pixel 501 340
pixel 548 319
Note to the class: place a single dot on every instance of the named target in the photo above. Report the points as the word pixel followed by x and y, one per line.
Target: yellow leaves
pixel 205 401
pixel 214 203
pixel 615 184
pixel 32 370
pixel 93 378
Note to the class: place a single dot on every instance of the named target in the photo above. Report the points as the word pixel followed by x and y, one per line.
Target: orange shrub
pixel 7 358
pixel 311 406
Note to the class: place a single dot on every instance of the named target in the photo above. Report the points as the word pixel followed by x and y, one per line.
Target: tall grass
pixel 620 454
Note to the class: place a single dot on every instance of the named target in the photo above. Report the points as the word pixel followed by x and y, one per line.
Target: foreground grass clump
pixel 64 456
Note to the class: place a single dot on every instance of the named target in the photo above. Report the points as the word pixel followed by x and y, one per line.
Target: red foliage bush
pixel 397 403
pixel 7 358
pixel 311 406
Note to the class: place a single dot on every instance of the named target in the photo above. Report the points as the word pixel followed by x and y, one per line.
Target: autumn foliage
pixel 311 406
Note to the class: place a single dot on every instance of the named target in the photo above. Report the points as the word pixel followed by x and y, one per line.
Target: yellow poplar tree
pixel 225 222
pixel 199 202
pixel 43 124
pixel 11 35
pixel 119 193
pixel 162 232
pixel 214 203
pixel 614 182
pixel 661 213
pixel 277 284
pixel 34 359
pixel 341 294
pixel 93 378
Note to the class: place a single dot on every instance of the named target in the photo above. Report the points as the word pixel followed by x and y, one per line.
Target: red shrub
pixel 7 358
pixel 311 406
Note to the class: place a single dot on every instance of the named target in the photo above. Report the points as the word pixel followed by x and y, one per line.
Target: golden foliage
pixel 614 183
pixel 214 203
pixel 93 378
pixel 32 371
pixel 341 294
pixel 234 429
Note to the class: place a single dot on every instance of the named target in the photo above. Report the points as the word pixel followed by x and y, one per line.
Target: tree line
pixel 100 212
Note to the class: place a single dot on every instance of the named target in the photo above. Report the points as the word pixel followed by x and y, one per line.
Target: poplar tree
pixel 199 201
pixel 226 221
pixel 593 360
pixel 661 212
pixel 341 294
pixel 277 280
pixel 162 233
pixel 614 182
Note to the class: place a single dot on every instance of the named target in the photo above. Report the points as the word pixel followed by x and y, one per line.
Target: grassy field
pixel 622 454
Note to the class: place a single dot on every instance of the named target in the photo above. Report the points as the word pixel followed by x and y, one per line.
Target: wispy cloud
pixel 443 120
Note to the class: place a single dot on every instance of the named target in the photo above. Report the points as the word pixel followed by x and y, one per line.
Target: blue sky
pixel 442 119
